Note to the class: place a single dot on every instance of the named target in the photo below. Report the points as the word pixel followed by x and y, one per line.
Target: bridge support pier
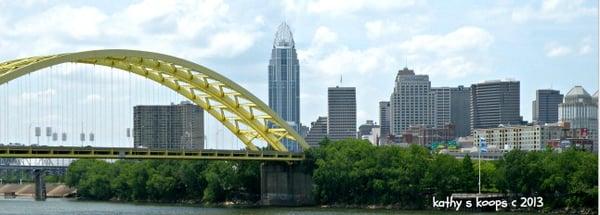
pixel 284 184
pixel 40 184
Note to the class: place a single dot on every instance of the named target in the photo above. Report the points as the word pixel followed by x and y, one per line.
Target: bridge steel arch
pixel 246 116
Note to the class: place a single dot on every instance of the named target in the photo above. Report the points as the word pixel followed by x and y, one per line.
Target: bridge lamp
pixel 48 132
pixel 38 133
pixel 82 138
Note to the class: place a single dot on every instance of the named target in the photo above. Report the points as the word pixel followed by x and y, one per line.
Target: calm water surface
pixel 66 206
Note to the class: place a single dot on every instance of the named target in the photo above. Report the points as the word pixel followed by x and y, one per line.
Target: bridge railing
pixel 143 153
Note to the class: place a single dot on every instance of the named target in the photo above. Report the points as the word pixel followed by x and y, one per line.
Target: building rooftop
pixel 498 81
pixel 577 91
pixel 283 37
pixel 406 71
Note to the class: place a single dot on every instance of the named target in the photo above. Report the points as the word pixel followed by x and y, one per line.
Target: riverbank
pixel 53 190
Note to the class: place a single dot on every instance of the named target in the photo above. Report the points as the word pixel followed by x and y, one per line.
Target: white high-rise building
pixel 410 103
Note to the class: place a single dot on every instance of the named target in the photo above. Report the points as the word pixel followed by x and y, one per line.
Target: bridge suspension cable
pixel 244 115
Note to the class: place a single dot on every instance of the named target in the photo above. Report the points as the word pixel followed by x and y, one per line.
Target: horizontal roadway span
pixel 139 153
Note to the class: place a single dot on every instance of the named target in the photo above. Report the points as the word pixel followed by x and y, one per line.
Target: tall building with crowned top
pixel 284 79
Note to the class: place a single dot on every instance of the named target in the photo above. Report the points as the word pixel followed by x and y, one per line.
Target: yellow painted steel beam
pixel 195 82
pixel 138 153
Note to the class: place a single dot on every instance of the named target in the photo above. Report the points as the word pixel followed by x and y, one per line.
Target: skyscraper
pixel 284 79
pixel 318 131
pixel 581 111
pixel 410 103
pixel 441 106
pixel 494 103
pixel 384 120
pixel 168 126
pixel 545 106
pixel 460 110
pixel 341 111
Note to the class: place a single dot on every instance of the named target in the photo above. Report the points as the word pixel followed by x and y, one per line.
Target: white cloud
pixel 353 62
pixel 585 46
pixel 189 29
pixel 560 11
pixel 93 98
pixel 400 25
pixel 228 44
pixel 324 35
pixel 463 38
pixel 38 95
pixel 323 39
pixel 452 55
pixel 555 50
pixel 75 22
pixel 454 67
pixel 344 7
pixel 378 28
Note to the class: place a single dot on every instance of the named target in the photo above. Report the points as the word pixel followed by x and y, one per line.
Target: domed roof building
pixel 578 94
pixel 581 111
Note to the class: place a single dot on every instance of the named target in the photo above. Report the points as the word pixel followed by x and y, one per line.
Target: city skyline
pixel 368 59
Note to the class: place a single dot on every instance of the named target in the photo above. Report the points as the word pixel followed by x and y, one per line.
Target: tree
pixel 442 176
pixel 468 175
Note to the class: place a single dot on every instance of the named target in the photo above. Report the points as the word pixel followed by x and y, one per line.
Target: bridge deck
pixel 139 153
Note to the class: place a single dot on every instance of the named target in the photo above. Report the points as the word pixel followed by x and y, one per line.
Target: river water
pixel 67 207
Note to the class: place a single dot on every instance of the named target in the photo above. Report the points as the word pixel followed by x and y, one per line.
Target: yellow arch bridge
pixel 246 116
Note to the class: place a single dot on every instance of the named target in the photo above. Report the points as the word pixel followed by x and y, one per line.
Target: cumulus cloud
pixel 452 55
pixel 324 35
pixel 228 44
pixel 560 11
pixel 93 98
pixel 585 46
pixel 62 20
pixel 555 50
pixel 38 94
pixel 401 24
pixel 344 7
pixel 192 29
pixel 461 39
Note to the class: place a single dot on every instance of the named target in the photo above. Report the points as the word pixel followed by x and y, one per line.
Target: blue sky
pixel 543 44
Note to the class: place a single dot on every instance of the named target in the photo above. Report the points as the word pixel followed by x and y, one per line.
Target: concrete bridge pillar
pixel 40 185
pixel 284 184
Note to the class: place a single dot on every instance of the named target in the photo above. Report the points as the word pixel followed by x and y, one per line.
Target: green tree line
pixel 165 181
pixel 351 172
pixel 356 172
